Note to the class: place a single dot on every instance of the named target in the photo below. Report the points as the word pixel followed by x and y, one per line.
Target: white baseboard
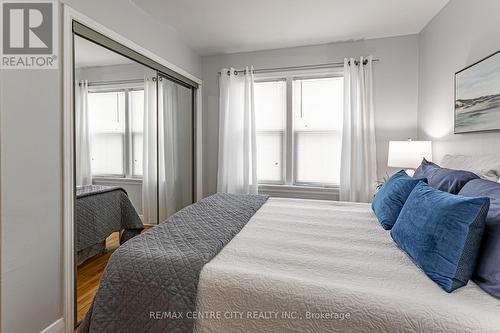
pixel 55 327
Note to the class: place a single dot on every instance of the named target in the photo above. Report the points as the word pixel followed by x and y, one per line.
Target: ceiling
pixel 88 54
pixel 228 26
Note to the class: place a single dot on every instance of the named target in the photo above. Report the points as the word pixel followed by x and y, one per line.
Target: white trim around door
pixel 70 15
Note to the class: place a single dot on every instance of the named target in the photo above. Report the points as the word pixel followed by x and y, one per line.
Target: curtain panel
pixel 358 170
pixel 149 153
pixel 82 133
pixel 237 166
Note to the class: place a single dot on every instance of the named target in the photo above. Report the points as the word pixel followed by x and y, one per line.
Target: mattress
pixel 323 266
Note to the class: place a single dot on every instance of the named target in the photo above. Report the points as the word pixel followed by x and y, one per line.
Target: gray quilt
pixel 100 211
pixel 150 283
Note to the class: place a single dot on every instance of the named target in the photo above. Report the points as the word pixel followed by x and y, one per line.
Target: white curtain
pixel 168 155
pixel 237 169
pixel 358 171
pixel 149 154
pixel 83 157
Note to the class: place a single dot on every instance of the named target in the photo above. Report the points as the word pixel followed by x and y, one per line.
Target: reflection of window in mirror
pixel 116 118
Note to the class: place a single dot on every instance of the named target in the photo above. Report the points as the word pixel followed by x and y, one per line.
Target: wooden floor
pixel 89 274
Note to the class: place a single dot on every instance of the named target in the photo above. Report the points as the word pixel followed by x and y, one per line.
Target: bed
pixel 255 264
pixel 100 211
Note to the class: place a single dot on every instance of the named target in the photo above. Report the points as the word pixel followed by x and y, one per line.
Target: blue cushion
pixel 441 233
pixel 391 197
pixel 443 179
pixel 487 274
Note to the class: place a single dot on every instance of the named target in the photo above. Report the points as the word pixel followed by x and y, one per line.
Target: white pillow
pixel 485 166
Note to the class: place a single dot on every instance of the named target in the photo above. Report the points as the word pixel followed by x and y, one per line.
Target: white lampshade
pixel 408 154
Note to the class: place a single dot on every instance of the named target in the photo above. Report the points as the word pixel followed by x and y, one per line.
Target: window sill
pixel 300 192
pixel 116 180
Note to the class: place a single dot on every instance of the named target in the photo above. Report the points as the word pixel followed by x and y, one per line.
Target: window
pixel 317 110
pixel 115 120
pixel 299 133
pixel 270 115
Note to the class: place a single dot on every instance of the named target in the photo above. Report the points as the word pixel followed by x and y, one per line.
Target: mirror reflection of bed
pixel 133 138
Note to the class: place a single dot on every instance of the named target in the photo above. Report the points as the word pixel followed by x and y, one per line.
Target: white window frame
pixel 127 144
pixel 291 188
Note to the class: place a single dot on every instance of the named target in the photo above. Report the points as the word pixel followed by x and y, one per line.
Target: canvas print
pixel 477 96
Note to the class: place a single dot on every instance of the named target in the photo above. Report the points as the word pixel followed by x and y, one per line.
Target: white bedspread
pixel 301 258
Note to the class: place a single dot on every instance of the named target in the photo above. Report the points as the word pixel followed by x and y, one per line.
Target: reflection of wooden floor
pixel 89 274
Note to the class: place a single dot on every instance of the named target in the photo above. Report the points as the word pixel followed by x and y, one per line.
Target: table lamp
pixel 408 154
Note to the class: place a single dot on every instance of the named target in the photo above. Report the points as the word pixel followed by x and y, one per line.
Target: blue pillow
pixel 443 179
pixel 391 197
pixel 487 274
pixel 442 233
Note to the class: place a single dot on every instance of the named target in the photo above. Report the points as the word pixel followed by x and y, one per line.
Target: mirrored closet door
pixel 134 145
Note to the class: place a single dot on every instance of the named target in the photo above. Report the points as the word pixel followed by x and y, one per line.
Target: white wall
pixel 462 33
pixel 395 80
pixel 31 169
pixel 31 200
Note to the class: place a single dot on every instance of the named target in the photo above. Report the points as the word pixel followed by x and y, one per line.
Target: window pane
pixel 107 154
pixel 318 111
pixel 137 110
pixel 107 128
pixel 318 103
pixel 137 154
pixel 317 157
pixel 107 112
pixel 137 116
pixel 270 105
pixel 270 117
pixel 269 156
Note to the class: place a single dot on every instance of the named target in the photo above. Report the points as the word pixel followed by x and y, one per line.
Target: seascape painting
pixel 477 96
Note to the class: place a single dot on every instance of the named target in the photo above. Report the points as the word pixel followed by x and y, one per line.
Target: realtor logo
pixel 29 33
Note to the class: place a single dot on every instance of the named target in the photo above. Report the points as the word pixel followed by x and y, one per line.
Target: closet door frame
pixel 69 17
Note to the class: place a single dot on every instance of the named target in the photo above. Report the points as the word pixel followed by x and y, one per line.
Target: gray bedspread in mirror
pixel 100 211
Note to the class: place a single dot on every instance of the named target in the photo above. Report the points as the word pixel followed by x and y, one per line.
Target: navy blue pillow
pixel 442 233
pixel 391 197
pixel 443 179
pixel 487 274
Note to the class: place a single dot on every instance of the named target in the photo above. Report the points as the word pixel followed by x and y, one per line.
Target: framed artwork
pixel 477 96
